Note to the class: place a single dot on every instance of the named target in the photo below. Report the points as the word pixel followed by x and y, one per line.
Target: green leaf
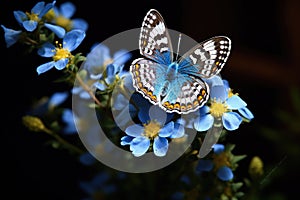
pixel 237 158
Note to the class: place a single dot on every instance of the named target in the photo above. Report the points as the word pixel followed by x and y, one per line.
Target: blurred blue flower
pixel 103 70
pixel 99 183
pixel 61 54
pixel 219 163
pixel 57 98
pixel 69 118
pixel 99 59
pixel 63 17
pixel 11 36
pixel 87 159
pixel 154 130
pixel 30 20
pixel 223 104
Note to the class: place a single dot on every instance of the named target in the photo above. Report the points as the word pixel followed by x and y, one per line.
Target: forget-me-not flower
pixel 220 163
pixel 11 36
pixel 154 131
pixel 30 20
pixel 223 104
pixel 62 16
pixel 61 54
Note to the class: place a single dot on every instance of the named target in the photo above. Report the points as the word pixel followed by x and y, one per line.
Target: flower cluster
pixel 131 121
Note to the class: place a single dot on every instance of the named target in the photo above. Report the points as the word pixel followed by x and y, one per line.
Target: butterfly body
pixel 175 85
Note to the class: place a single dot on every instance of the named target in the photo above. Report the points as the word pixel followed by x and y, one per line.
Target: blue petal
pixel 85 95
pixel 121 57
pixel 225 173
pixel 30 25
pixel 100 86
pixel 178 131
pixel 235 102
pixel 134 130
pixel 57 98
pixel 45 67
pixel 126 140
pixel 11 36
pixel 80 24
pixel 204 110
pixel 20 16
pixel 158 114
pixel 245 112
pixel 67 9
pixel 144 115
pixel 160 146
pixel 231 120
pixel 37 9
pixel 120 102
pixel 139 146
pixel 99 55
pixel 47 50
pixel 167 130
pixel 204 166
pixel 110 70
pixel 87 159
pixel 218 90
pixel 218 148
pixel 48 7
pixel 203 123
pixel 59 31
pixel 61 64
pixel 226 84
pixel 68 118
pixel 73 39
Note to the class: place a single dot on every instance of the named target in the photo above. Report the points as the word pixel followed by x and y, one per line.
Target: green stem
pixel 64 142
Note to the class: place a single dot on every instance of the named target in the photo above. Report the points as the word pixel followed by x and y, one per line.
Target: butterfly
pixel 175 85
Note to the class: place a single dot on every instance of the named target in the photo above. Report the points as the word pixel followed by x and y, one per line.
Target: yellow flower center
pixel 230 93
pixel 61 53
pixel 151 129
pixel 50 15
pixel 220 160
pixel 64 22
pixel 32 16
pixel 217 109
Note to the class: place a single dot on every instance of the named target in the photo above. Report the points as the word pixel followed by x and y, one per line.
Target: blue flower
pixel 99 60
pixel 102 69
pixel 11 36
pixel 63 17
pixel 154 131
pixel 220 163
pixel 99 183
pixel 223 104
pixel 69 118
pixel 30 20
pixel 62 53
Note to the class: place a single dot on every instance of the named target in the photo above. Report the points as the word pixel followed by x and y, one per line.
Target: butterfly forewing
pixel 148 78
pixel 207 58
pixel 154 40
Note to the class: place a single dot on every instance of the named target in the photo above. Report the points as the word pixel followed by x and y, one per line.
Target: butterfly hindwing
pixel 206 58
pixel 185 94
pixel 154 42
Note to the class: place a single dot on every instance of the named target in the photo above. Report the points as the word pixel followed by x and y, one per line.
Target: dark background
pixel 262 68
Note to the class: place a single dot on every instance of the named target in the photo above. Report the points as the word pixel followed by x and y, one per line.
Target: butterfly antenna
pixel 179 39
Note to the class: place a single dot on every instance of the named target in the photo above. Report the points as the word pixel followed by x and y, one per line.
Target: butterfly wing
pixel 149 79
pixel 154 41
pixel 206 58
pixel 185 94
